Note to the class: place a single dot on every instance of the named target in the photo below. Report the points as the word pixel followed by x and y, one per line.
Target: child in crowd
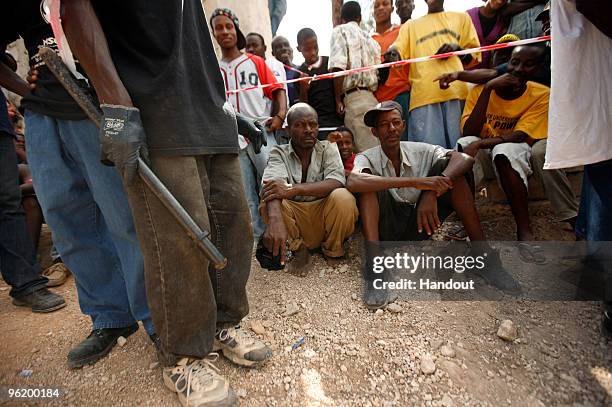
pixel 343 137
pixel 318 94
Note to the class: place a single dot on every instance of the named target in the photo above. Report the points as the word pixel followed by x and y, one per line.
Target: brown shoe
pixel 57 274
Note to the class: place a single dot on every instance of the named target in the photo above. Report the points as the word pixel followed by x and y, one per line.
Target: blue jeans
pixel 252 166
pixel 594 221
pixel 85 205
pixel 17 255
pixel 404 100
pixel 438 123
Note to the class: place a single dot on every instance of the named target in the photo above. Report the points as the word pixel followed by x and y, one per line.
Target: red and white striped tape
pixel 338 74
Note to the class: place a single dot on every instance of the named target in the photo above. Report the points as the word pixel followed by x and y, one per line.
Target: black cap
pixel 241 40
pixel 544 13
pixel 388 105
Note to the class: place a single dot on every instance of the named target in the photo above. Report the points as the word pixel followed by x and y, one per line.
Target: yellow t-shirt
pixel 423 37
pixel 528 113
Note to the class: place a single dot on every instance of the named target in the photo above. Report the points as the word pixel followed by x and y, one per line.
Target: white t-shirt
pixel 248 71
pixel 580 114
pixel 278 69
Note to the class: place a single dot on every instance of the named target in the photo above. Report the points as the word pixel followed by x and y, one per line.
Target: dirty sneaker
pixel 240 347
pixel 198 383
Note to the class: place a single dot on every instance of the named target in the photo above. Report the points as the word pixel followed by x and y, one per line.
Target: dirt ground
pixel 350 356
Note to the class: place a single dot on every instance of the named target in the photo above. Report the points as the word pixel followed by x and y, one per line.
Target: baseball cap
pixel 241 40
pixel 544 12
pixel 388 105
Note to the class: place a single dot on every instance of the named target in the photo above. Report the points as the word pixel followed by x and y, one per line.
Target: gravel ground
pixel 422 353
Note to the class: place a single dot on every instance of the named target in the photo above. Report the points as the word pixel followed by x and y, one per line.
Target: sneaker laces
pixel 198 372
pixel 239 335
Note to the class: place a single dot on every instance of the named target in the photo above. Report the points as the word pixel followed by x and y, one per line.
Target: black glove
pixel 252 130
pixel 123 140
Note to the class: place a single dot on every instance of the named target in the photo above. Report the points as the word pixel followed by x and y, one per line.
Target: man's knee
pixel 538 151
pixel 342 198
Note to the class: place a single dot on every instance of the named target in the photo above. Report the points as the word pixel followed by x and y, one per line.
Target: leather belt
pixel 355 89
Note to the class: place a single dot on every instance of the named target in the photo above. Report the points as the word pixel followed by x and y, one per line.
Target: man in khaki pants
pixel 304 201
pixel 351 48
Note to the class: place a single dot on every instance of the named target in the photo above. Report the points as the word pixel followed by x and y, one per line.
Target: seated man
pixel 303 198
pixel 407 189
pixel 501 121
pixel 343 137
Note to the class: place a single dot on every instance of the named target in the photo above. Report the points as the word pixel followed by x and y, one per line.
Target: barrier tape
pixel 338 74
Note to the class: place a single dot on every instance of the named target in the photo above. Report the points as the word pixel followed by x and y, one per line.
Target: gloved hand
pixel 252 130
pixel 123 140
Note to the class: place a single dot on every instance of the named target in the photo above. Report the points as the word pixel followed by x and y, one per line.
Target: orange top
pixel 398 81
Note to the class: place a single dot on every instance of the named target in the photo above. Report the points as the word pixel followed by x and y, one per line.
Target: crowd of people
pixel 286 168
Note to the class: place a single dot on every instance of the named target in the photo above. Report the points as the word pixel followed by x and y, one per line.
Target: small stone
pixel 287 379
pixel 354 297
pixel 427 365
pixel 507 330
pixel 291 309
pixel 309 353
pixel 26 373
pixel 242 393
pixel 379 312
pixel 435 344
pixel 343 368
pixel 257 327
pixel 153 365
pixel 394 308
pixel 447 401
pixel 343 269
pixel 121 341
pixel 447 351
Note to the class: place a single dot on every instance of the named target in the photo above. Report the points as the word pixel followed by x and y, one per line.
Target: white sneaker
pixel 198 383
pixel 240 347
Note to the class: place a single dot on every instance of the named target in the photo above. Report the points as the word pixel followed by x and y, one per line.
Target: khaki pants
pixel 324 223
pixel 356 105
pixel 557 187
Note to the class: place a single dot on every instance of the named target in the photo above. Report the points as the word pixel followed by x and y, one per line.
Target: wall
pixel 253 16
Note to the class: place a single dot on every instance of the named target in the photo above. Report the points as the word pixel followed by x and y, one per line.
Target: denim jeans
pixel 187 302
pixel 438 123
pixel 252 166
pixel 85 205
pixel 17 255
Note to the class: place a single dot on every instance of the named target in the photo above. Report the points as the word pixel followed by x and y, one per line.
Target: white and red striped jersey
pixel 244 72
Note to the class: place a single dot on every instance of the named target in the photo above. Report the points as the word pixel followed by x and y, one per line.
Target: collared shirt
pixel 325 163
pixel 417 160
pixel 398 81
pixel 351 47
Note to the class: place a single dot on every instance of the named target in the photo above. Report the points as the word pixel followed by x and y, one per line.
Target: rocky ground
pixel 422 353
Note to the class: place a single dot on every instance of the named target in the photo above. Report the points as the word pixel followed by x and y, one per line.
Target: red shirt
pixel 350 163
pixel 398 81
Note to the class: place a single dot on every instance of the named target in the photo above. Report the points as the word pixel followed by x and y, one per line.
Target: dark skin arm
pixel 11 81
pixel 279 110
pixel 479 76
pixel 465 59
pixel 279 189
pixel 88 43
pixel 427 209
pixel 276 235
pixel 366 182
pixel 304 88
pixel 338 88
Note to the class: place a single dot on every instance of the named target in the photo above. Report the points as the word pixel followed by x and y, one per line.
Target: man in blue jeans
pixel 17 255
pixel 83 201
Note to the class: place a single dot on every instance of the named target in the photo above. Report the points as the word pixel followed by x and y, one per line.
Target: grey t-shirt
pixel 417 160
pixel 325 163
